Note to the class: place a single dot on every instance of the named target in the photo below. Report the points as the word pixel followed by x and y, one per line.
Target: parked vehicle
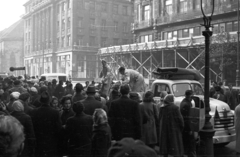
pixel 57 76
pixel 3 74
pixel 177 85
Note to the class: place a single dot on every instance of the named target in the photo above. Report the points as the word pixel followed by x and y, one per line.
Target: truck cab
pixel 223 124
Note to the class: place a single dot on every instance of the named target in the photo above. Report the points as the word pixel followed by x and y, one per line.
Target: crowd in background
pixel 53 120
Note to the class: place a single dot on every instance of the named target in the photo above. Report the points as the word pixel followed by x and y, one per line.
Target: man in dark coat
pixel 79 131
pixel 25 99
pixel 47 124
pixel 232 97
pixel 59 90
pixel 189 141
pixel 124 116
pixel 26 121
pixel 90 103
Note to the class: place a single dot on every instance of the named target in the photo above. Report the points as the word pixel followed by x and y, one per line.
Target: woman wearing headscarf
pixel 149 120
pixel 101 138
pixel 170 130
pixel 26 121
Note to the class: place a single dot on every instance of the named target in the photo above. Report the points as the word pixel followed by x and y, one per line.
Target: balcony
pixel 85 48
pixel 142 24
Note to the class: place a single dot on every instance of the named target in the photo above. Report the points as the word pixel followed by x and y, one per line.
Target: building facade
pixel 168 33
pixel 11 48
pixel 64 35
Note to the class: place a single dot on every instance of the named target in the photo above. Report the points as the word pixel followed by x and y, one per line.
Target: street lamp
pixel 206 134
pixel 237 71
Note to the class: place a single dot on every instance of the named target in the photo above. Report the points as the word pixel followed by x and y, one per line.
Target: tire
pixel 221 144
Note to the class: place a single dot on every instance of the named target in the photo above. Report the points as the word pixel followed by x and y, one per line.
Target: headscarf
pixel 169 99
pixel 99 117
pixel 14 95
pixel 17 106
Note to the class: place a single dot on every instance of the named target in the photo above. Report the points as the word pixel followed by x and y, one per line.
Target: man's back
pixel 90 104
pixel 124 116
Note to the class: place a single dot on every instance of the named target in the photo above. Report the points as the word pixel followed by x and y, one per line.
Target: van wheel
pixel 221 144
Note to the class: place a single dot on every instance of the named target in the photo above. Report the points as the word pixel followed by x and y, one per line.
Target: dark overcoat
pixel 101 140
pixel 90 104
pixel 232 98
pixel 26 121
pixel 79 132
pixel 170 131
pixel 47 124
pixel 124 118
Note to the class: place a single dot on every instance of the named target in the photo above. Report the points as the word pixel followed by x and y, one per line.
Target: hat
pixel 24 96
pixel 134 96
pixel 33 90
pixel 91 89
pixel 130 148
pixel 169 99
pixel 42 89
pixel 17 106
pixel 14 95
pixel 17 82
pixel 78 107
pixel 44 97
pixel 218 89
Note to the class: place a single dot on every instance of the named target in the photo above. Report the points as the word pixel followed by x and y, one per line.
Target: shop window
pixel 150 38
pixel 215 29
pixel 169 35
pixel 180 33
pixel 222 28
pixel 165 35
pixel 191 32
pixel 229 27
pixel 235 26
pixel 196 31
pixel 185 33
pixel 175 34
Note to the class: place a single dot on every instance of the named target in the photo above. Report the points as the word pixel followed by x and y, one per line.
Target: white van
pixel 58 76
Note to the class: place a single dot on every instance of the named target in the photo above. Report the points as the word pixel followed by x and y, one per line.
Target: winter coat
pixel 237 128
pixel 65 114
pixel 19 89
pixel 149 134
pixel 124 118
pixel 26 121
pixel 77 97
pixel 90 104
pixel 46 124
pixel 79 133
pixel 170 130
pixel 189 141
pixel 232 98
pixel 101 140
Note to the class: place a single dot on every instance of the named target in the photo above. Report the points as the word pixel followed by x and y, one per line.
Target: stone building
pixel 168 33
pixel 68 33
pixel 11 48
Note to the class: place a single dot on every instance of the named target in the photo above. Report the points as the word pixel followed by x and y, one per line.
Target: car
pixel 3 75
pixel 222 117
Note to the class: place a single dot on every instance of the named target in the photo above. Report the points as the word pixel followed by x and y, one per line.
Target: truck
pixel 176 81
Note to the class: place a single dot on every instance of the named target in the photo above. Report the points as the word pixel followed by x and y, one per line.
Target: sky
pixel 10 12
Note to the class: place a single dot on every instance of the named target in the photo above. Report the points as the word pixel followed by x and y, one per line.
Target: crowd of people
pixel 41 118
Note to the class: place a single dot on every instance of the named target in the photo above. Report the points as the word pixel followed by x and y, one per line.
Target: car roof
pixel 54 74
pixel 174 81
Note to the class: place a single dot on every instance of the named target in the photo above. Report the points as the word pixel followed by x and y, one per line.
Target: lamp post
pixel 206 134
pixel 237 71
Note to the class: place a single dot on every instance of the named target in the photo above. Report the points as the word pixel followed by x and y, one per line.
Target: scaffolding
pixel 146 57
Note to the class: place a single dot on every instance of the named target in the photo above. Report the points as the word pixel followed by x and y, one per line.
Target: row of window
pixel 64 41
pixel 104 7
pixel 63 6
pixel 197 31
pixel 183 6
pixel 104 41
pixel 104 25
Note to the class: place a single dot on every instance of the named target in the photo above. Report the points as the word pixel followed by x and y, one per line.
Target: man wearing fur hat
pixel 106 76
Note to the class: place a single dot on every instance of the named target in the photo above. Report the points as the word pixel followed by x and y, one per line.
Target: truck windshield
pixel 180 88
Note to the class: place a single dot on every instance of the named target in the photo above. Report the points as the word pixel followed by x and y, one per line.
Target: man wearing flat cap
pixel 106 76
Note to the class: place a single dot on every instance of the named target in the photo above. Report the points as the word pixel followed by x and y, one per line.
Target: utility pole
pixel 237 71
